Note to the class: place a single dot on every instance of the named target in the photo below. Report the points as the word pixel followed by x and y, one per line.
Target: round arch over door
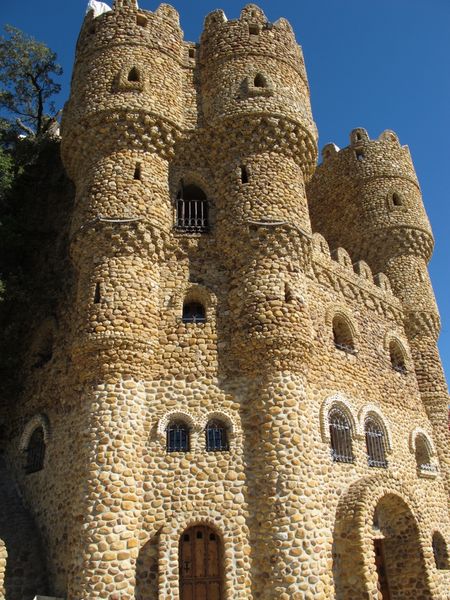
pixel 200 560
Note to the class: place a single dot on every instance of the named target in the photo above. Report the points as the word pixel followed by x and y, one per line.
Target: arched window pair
pixel 178 436
pixel 341 439
pixel 192 210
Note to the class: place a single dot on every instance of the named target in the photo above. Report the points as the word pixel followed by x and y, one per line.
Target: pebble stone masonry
pixel 294 252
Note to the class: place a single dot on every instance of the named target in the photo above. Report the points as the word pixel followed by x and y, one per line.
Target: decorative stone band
pixel 260 132
pixel 399 240
pixel 422 324
pixel 115 235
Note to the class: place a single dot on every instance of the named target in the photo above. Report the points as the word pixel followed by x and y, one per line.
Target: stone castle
pixel 242 397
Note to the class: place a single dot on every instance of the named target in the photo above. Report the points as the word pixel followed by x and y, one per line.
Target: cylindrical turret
pixel 367 199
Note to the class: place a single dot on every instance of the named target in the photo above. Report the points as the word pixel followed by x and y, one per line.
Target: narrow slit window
pixel 359 155
pixel 137 172
pixel 253 29
pixel 244 174
pixel 440 552
pixel 288 295
pixel 191 52
pixel 133 75
pixel 340 436
pixel 35 452
pixel 97 294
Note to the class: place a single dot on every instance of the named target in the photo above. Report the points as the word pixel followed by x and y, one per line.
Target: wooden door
pixel 380 563
pixel 200 564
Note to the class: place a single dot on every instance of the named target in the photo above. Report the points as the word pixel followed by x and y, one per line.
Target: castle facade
pixel 242 398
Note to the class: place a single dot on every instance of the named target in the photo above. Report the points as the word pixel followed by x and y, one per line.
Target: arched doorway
pixel 378 549
pixel 200 560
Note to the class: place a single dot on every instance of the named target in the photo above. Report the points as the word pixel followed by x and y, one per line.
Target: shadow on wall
pixel 22 569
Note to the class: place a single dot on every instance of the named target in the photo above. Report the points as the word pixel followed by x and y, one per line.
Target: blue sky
pixel 379 65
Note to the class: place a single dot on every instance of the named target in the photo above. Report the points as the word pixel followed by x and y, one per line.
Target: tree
pixel 27 70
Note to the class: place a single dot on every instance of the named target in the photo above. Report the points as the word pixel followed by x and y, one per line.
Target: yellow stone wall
pixel 286 253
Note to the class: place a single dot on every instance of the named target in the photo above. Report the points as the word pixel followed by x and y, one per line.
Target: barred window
pixel 440 551
pixel 35 452
pixel 340 436
pixel 375 444
pixel 194 312
pixel 192 210
pixel 397 358
pixel 177 437
pixel 216 437
pixel 342 335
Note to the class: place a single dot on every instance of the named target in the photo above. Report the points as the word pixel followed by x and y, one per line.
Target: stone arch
pixel 147 567
pixel 342 327
pixel 340 310
pixel 429 440
pixel 195 292
pixel 422 446
pixel 320 244
pixel 372 410
pixel 440 551
pixel 39 420
pixel 379 508
pixel 341 402
pixel 394 343
pixel 176 415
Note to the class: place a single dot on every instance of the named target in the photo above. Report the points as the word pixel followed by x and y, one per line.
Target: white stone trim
pixel 39 420
pixel 338 400
pixel 429 440
pixel 342 311
pixel 373 410
pixel 176 415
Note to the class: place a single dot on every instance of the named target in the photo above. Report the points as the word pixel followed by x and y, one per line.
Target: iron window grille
pixel 177 437
pixel 345 347
pixel 400 368
pixel 35 453
pixel 376 450
pixel 194 312
pixel 340 437
pixel 216 437
pixel 192 210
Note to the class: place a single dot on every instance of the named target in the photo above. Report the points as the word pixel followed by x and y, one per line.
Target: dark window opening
pixel 440 551
pixel 141 21
pixel 97 294
pixel 45 351
pixel 216 437
pixel 177 437
pixel 137 172
pixel 359 155
pixel 253 29
pixel 199 535
pixel 288 295
pixel 396 200
pixel 186 537
pixel 422 455
pixel 358 137
pixel 244 174
pixel 340 437
pixel 133 75
pixel 342 336
pixel 194 312
pixel 397 358
pixel 375 444
pixel 260 81
pixel 212 537
pixel 192 210
pixel 35 452
pixel 191 52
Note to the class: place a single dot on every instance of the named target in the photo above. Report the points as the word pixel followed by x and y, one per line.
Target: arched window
pixel 35 452
pixel 340 436
pixel 397 358
pixel 192 210
pixel 342 335
pixel 440 551
pixel 375 443
pixel 194 312
pixel 260 81
pixel 177 437
pixel 423 458
pixel 216 436
pixel 133 75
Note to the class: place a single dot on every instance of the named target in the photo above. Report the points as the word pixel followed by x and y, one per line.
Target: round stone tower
pixel 119 129
pixel 255 102
pixel 367 199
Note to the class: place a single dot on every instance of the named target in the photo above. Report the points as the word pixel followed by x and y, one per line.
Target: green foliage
pixel 6 173
pixel 27 70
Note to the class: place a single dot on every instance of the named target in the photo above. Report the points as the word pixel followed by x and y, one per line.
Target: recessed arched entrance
pixel 377 549
pixel 200 560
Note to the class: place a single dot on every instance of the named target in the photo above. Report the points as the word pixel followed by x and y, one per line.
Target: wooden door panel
pixel 200 566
